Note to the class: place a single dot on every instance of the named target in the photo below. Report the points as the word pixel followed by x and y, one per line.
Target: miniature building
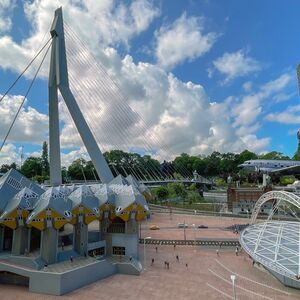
pixel 241 200
pixel 32 222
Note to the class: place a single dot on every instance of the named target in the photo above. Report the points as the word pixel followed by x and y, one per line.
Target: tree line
pixel 142 166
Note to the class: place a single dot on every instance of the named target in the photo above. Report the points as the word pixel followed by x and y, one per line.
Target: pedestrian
pixel 253 263
pixel 152 261
pixel 236 252
pixel 71 258
pixel 177 258
pixel 187 266
pixel 85 254
pixel 217 252
pixel 156 249
pixel 174 246
pixel 130 258
pixel 165 264
pixel 168 265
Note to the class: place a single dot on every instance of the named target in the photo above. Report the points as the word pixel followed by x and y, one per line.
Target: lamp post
pixel 233 286
pixel 146 238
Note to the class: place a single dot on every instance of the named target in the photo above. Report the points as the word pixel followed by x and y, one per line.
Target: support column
pixel 20 240
pixel 49 241
pixel 80 238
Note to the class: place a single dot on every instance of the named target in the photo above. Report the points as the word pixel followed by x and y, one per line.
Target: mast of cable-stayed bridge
pixel 58 80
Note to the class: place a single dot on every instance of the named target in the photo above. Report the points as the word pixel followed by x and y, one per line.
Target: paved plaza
pixel 206 276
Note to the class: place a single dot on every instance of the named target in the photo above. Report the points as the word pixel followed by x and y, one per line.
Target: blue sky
pixel 240 55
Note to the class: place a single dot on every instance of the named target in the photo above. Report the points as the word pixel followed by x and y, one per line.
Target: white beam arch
pixel 274 195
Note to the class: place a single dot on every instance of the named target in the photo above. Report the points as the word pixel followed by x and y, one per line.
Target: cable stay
pixel 27 92
pixel 24 71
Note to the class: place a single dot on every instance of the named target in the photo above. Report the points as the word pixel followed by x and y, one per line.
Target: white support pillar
pixel 58 79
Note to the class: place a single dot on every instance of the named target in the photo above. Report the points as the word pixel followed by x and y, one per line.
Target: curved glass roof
pixel 275 244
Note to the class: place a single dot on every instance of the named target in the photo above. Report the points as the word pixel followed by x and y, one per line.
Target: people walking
pixel 156 249
pixel 217 251
pixel 187 266
pixel 152 261
pixel 177 258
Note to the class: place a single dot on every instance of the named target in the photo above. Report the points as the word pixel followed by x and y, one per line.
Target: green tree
pixel 246 155
pixel 45 160
pixel 274 155
pixel 162 192
pixel 32 166
pixel 76 169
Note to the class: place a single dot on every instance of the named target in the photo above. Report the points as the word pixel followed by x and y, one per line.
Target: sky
pixel 194 76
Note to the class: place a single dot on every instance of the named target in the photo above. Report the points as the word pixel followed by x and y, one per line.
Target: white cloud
pixel 99 23
pixel 6 8
pixel 247 86
pixel 249 107
pixel 236 64
pixel 182 40
pixel 179 115
pixel 290 116
pixel 31 126
pixel 9 154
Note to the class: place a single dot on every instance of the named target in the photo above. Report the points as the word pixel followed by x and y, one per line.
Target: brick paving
pixel 207 276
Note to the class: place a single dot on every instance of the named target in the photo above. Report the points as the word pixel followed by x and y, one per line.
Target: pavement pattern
pixel 199 272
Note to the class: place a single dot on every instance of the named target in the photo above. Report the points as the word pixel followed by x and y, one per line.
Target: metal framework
pixel 275 244
pixel 279 196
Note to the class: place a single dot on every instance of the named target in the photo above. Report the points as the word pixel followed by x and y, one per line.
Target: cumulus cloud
pixel 100 23
pixel 290 116
pixel 142 106
pixel 236 64
pixel 6 8
pixel 31 126
pixel 182 40
pixel 249 107
pixel 9 154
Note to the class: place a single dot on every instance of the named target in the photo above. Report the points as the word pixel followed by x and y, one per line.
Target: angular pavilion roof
pixel 104 194
pixel 13 182
pixel 25 199
pixel 55 200
pixel 84 196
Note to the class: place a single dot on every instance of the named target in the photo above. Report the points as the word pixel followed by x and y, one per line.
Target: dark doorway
pixel 35 240
pixel 8 237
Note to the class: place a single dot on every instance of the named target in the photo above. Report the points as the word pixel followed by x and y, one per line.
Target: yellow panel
pixel 40 225
pixel 11 223
pixel 90 218
pixel 124 216
pixel 60 223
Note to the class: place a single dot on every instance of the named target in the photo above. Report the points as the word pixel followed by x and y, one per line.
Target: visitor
pixel 187 266
pixel 152 261
pixel 177 258
pixel 217 252
pixel 156 249
pixel 71 258
pixel 236 252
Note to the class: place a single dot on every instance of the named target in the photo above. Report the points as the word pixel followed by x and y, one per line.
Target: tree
pixel 246 155
pixel 76 169
pixel 45 160
pixel 32 166
pixel 6 167
pixel 274 155
pixel 162 192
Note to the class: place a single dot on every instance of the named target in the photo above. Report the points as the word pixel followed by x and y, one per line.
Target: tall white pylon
pixel 58 80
